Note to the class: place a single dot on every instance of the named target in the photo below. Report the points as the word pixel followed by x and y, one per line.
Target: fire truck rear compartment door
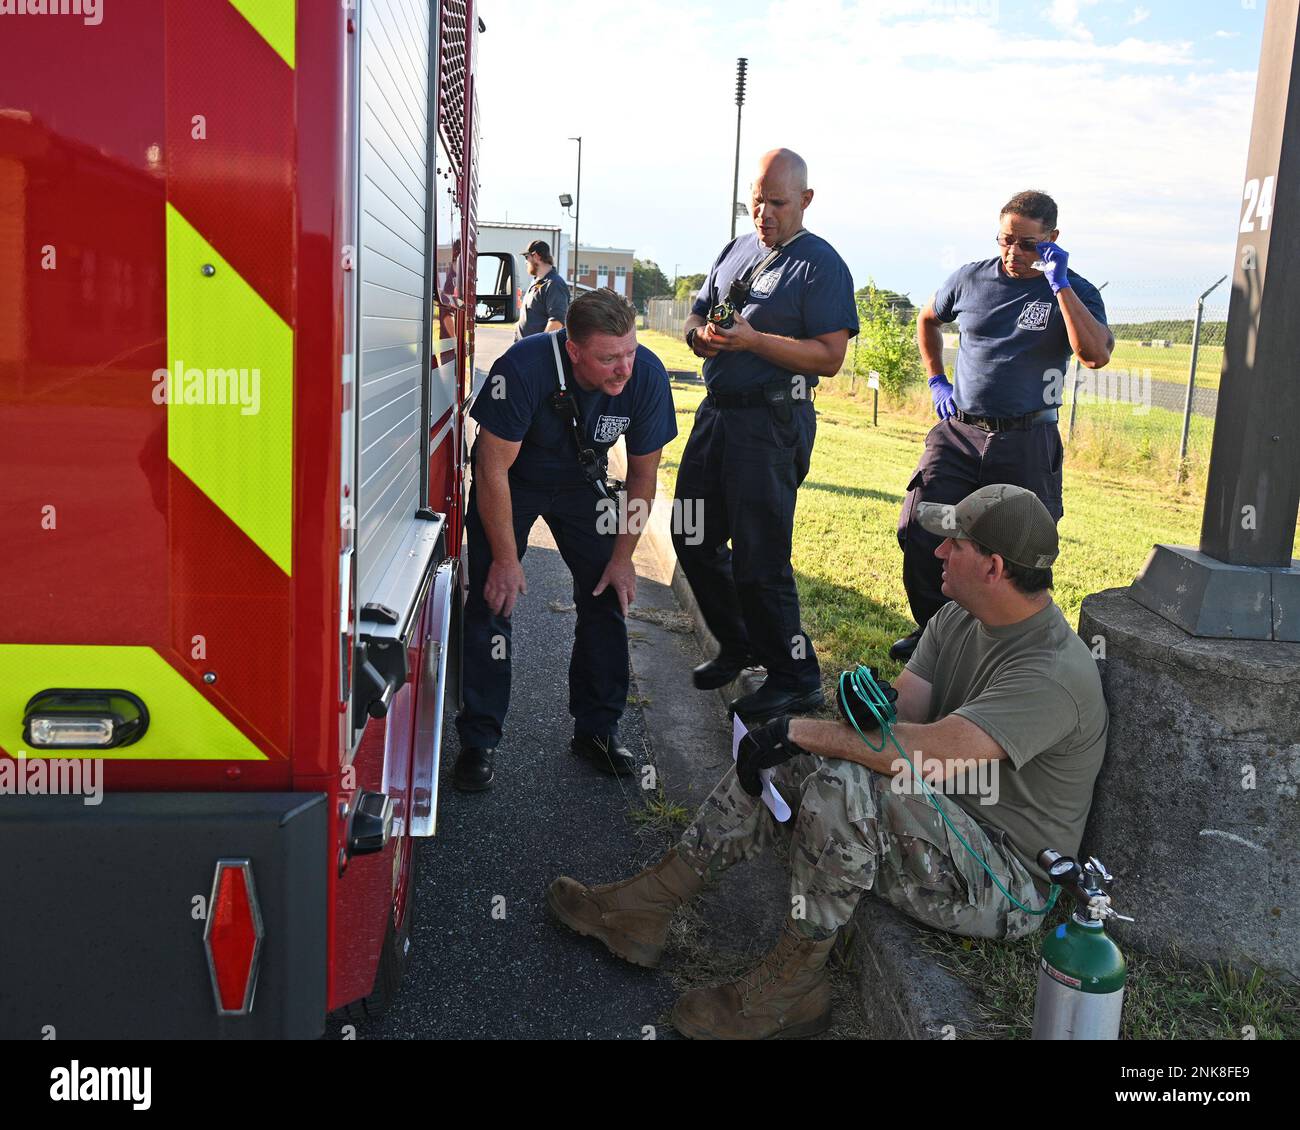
pixel 395 277
pixel 104 909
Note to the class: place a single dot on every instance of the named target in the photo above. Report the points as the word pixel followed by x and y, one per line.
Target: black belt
pixel 750 398
pixel 1007 423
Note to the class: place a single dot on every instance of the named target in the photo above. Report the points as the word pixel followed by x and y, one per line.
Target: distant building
pixel 605 267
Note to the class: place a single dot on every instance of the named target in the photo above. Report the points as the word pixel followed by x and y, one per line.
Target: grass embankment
pixel 1121 496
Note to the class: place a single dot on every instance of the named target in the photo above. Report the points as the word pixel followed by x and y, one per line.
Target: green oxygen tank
pixel 1081 971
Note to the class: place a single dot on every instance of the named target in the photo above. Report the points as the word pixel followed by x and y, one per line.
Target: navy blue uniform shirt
pixel 806 292
pixel 1014 347
pixel 515 405
pixel 546 299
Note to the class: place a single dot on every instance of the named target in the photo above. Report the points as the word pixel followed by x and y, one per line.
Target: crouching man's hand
pixel 763 748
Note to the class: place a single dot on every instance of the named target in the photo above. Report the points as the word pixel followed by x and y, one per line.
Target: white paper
pixel 773 799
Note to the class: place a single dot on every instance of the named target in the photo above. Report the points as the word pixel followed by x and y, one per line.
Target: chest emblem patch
pixel 609 428
pixel 1035 316
pixel 762 286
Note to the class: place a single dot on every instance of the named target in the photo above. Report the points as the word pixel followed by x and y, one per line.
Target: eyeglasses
pixel 1030 245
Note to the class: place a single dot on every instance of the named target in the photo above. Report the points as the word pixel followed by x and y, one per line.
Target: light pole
pixel 566 202
pixel 742 65
pixel 577 216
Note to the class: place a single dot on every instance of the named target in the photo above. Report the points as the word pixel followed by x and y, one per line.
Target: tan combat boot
pixel 630 917
pixel 787 997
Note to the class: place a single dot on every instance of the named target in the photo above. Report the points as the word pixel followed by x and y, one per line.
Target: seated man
pixel 999 684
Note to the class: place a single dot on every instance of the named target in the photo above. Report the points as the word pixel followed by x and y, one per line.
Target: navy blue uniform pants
pixel 598 666
pixel 738 480
pixel 958 459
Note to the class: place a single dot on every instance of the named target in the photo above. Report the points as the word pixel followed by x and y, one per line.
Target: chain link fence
pixel 668 315
pixel 1160 392
pixel 1156 399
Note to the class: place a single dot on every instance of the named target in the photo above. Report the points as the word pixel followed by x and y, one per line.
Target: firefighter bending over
pixel 552 407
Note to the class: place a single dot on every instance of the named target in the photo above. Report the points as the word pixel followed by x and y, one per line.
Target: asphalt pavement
pixel 488 961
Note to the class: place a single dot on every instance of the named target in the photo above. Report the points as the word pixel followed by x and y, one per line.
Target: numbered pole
pixel 1240 583
pixel 1254 479
pixel 873 383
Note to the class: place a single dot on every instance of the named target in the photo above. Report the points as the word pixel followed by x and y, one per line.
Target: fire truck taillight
pixel 233 937
pixel 72 719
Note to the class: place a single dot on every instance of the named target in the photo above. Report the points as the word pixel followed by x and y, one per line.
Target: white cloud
pixel 1227 34
pixel 1140 15
pixel 1065 16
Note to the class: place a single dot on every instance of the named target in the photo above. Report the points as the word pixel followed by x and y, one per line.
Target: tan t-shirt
pixel 1033 687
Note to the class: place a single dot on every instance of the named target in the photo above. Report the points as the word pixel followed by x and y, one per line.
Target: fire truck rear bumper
pixel 105 908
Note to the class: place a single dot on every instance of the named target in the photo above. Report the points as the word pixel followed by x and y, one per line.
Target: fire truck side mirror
pixel 497 304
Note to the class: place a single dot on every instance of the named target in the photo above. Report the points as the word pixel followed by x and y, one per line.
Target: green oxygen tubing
pixel 863 683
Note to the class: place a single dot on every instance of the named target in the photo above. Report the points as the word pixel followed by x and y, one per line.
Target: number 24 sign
pixel 1259 204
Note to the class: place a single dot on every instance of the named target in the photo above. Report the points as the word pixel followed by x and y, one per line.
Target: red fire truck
pixel 236 243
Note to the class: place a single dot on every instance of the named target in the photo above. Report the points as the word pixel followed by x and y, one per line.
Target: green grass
pixel 1164 998
pixel 1121 496
pixel 1171 364
pixel 657 813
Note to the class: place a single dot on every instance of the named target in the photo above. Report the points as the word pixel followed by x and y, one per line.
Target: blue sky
pixel 918 119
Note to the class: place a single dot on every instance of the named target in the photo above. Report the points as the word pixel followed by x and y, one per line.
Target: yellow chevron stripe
pixel 274 21
pixel 183 725
pixel 238 452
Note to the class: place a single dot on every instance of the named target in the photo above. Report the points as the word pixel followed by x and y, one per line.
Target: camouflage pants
pixel 851 833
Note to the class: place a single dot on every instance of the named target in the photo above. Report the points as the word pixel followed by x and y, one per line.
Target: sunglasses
pixel 1030 245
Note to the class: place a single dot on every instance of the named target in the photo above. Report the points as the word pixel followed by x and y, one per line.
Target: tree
pixel 687 285
pixel 648 281
pixel 886 341
pixel 901 304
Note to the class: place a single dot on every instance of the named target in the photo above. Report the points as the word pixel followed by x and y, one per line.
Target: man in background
pixel 546 301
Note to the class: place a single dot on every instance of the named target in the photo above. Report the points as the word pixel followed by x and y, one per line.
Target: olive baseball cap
pixel 1010 521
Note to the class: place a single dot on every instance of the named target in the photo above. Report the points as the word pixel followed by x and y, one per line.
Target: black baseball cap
pixel 539 247
pixel 1010 521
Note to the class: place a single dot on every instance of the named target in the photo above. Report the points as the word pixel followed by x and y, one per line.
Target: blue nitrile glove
pixel 941 394
pixel 1057 259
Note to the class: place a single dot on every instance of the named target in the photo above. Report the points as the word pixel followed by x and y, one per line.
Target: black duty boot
pixel 768 702
pixel 605 754
pixel 473 772
pixel 721 671
pixel 902 649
